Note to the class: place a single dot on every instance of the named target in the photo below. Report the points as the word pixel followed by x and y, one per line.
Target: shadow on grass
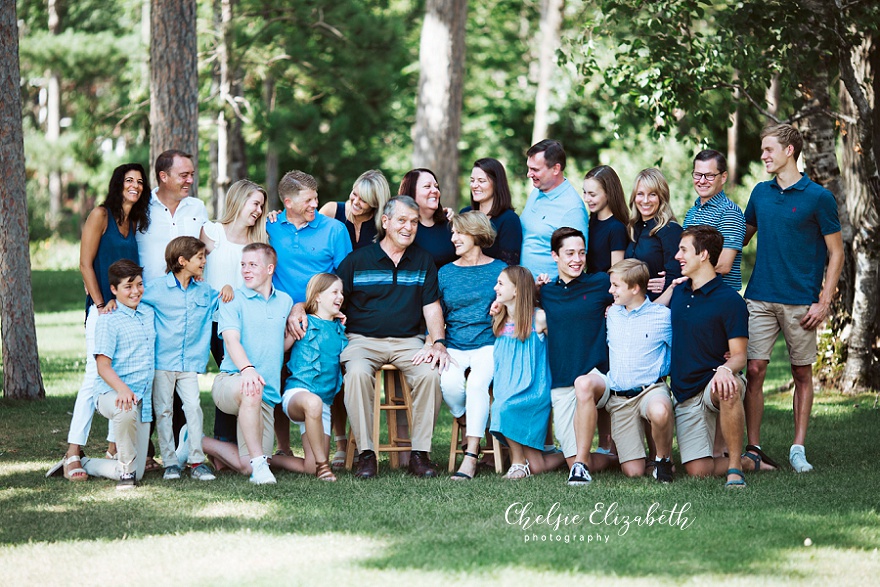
pixel 58 291
pixel 461 527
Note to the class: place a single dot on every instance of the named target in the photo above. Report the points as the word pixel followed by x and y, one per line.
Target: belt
pixel 630 393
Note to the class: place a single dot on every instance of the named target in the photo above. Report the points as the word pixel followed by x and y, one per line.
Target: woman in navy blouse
pixel 652 227
pixel 433 234
pixel 490 195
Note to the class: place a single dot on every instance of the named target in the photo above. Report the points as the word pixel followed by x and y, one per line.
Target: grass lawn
pixel 817 528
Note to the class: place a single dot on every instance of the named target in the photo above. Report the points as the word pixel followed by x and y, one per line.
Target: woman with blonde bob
pixel 368 196
pixel 653 230
pixel 243 223
pixel 316 377
pixel 467 292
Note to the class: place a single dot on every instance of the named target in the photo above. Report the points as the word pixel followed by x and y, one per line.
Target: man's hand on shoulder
pixel 297 321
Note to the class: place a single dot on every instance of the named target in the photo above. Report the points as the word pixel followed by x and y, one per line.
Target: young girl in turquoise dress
pixel 521 409
pixel 316 377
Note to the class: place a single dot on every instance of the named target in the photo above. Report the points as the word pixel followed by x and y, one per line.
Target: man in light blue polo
pixel 307 243
pixel 713 208
pixel 254 331
pixel 553 203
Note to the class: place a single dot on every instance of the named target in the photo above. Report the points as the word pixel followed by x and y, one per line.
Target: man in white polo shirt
pixel 173 212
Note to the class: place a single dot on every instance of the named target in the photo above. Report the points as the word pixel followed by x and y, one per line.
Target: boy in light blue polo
pixel 184 308
pixel 254 331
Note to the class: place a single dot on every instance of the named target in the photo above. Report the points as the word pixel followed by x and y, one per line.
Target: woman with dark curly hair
pixel 108 236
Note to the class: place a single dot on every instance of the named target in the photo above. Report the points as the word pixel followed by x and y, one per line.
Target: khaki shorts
pixel 695 421
pixel 564 402
pixel 627 420
pixel 225 391
pixel 766 319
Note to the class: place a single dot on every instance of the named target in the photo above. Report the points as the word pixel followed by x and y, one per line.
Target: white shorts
pixel 285 402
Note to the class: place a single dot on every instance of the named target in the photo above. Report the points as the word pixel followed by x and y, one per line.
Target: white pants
pixel 134 437
pixel 84 408
pixel 186 383
pixel 469 396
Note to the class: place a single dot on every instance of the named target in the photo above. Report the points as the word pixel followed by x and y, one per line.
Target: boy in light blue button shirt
pixel 184 308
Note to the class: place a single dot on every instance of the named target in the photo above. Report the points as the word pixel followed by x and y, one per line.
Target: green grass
pixel 398 529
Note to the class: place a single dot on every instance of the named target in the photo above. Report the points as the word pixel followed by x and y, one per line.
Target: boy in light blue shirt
pixel 124 353
pixel 184 308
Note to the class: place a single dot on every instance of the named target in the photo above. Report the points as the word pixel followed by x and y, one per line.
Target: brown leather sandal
pixel 323 471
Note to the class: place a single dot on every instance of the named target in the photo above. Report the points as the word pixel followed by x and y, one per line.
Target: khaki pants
pixel 361 359
pixel 132 439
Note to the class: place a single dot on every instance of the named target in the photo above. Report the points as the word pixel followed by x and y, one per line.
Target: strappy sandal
pixel 513 473
pixel 323 472
pixel 459 476
pixel 736 483
pixel 339 456
pixel 74 474
pixel 756 455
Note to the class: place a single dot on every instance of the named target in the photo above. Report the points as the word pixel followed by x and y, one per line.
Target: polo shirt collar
pixel 713 201
pixel 558 190
pixel 252 293
pixel 579 278
pixel 707 288
pixel 800 185
pixel 154 200
pixel 311 224
pixel 381 254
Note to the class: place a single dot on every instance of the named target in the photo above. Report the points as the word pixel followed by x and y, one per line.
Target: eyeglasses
pixel 707 176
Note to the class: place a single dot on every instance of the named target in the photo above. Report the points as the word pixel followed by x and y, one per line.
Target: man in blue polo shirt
pixel 713 208
pixel 799 231
pixel 391 295
pixel 575 304
pixel 709 319
pixel 553 203
pixel 254 331
pixel 307 244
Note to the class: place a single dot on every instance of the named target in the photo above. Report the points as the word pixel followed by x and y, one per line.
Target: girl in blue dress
pixel 521 410
pixel 316 377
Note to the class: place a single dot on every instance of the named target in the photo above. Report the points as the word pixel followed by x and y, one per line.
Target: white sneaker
pixel 262 475
pixel 798 460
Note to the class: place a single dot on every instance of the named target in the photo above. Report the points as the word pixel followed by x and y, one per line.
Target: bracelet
pixel 724 367
pixel 247 367
pixel 441 341
pixel 99 306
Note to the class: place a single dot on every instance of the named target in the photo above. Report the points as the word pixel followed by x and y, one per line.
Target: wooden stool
pixel 390 403
pixel 459 437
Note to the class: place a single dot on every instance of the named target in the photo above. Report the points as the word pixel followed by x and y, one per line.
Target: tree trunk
pixel 773 95
pixel 733 143
pixel 271 151
pixel 551 24
pixel 53 124
pixel 174 82
pixel 859 65
pixel 437 127
pixel 21 361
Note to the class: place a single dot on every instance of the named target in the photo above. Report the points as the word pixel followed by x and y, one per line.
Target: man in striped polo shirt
pixel 391 295
pixel 713 208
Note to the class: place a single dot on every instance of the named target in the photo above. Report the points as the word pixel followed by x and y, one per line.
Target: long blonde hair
pixel 236 198
pixel 524 304
pixel 318 284
pixel 653 181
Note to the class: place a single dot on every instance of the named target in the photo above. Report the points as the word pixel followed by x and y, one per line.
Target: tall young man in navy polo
pixel 575 304
pixel 709 319
pixel 799 229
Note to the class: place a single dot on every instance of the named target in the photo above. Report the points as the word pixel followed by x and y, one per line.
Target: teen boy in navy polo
pixel 574 304
pixel 254 331
pixel 184 308
pixel 125 353
pixel 709 319
pixel 799 230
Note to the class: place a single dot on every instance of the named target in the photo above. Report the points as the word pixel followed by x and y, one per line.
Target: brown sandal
pixel 323 471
